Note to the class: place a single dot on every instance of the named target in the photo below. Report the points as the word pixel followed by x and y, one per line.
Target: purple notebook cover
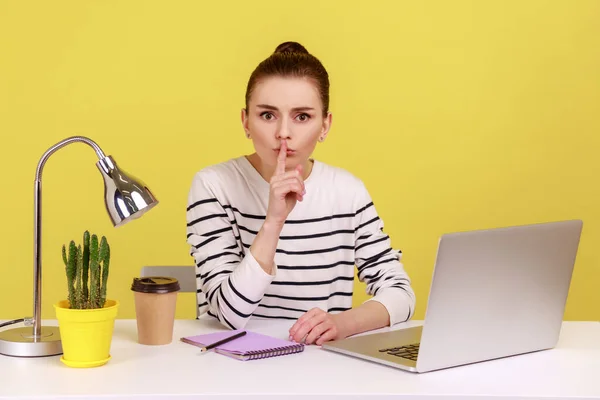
pixel 250 342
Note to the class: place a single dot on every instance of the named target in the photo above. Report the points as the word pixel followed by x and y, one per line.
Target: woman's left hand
pixel 318 326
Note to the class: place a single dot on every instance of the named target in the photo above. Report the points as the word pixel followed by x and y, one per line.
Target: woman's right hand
pixel 286 188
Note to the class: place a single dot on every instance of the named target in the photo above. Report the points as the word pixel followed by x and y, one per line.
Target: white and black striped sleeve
pixel 233 282
pixel 379 265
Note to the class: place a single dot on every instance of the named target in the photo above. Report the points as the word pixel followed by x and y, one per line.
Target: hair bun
pixel 291 47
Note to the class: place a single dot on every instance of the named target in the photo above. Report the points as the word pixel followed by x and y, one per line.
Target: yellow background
pixel 458 115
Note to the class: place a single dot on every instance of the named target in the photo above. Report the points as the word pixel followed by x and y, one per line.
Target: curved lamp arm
pixel 37 226
pixel 61 144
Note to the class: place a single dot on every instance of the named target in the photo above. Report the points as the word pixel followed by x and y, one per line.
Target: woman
pixel 277 234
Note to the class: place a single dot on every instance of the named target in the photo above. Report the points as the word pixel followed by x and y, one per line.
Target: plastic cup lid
pixel 155 284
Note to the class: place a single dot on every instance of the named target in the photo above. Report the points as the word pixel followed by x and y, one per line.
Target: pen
pixel 220 342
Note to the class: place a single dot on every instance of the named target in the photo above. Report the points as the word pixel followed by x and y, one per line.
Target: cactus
pixel 105 258
pixel 87 269
pixel 86 262
pixel 70 269
pixel 94 265
pixel 78 279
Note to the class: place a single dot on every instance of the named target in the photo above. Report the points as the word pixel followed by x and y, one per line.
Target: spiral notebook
pixel 251 346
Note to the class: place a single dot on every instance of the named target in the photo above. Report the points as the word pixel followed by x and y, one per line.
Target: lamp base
pixel 18 342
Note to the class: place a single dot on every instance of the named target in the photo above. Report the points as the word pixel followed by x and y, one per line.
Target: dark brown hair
pixel 291 59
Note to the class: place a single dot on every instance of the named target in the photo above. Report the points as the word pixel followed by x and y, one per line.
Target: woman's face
pixel 285 109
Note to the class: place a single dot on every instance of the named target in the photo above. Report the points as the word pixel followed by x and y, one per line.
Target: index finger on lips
pixel 281 158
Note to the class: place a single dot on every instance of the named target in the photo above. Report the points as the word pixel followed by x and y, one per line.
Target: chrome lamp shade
pixel 126 198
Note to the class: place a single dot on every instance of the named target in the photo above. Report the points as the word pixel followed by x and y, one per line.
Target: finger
pixel 317 331
pixel 307 326
pixel 294 328
pixel 327 336
pixel 286 182
pixel 287 175
pixel 300 169
pixel 281 157
pixel 297 331
pixel 282 190
pixel 303 318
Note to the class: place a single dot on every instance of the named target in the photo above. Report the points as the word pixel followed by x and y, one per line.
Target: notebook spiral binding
pixel 277 351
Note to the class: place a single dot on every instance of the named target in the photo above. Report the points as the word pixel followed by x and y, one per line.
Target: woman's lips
pixel 288 152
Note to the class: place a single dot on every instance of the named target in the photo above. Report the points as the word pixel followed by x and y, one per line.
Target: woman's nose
pixel 283 132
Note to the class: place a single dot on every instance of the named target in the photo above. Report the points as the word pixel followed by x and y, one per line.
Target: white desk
pixel 178 371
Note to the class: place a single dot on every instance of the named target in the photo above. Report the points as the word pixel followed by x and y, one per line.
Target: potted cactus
pixel 86 318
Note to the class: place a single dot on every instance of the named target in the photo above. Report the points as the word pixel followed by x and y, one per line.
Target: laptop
pixel 494 293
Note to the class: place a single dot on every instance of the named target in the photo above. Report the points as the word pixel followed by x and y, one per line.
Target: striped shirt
pixel 332 233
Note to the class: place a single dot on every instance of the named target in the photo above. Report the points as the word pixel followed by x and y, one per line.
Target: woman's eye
pixel 303 117
pixel 267 115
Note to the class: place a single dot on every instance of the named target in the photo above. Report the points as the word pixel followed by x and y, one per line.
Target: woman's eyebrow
pixel 273 108
pixel 267 106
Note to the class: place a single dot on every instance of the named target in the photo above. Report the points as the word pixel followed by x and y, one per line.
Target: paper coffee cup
pixel 155 301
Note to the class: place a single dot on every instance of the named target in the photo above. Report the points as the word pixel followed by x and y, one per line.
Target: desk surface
pixel 179 371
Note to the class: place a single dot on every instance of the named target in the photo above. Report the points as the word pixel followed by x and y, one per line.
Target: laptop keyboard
pixel 409 352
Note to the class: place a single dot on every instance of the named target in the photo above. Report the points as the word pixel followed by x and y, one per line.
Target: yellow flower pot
pixel 86 334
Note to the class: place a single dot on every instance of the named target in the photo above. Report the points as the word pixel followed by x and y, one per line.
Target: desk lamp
pixel 126 198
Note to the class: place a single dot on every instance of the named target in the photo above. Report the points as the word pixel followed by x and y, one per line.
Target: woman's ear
pixel 326 127
pixel 245 122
